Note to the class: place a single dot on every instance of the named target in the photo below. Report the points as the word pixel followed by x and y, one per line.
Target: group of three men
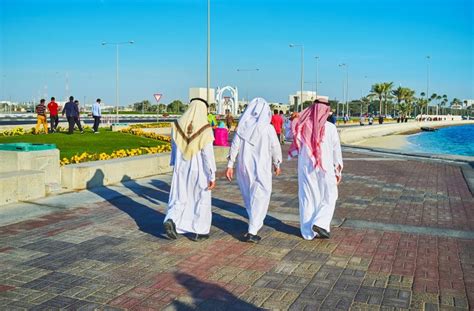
pixel 257 151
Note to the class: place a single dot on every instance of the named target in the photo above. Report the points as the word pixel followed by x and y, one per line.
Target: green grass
pixel 70 145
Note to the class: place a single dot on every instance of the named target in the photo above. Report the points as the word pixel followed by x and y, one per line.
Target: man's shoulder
pixel 331 126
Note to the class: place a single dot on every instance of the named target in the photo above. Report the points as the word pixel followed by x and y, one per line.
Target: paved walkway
pixel 403 238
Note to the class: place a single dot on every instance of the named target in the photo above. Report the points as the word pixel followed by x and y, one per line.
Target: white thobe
pixel 288 132
pixel 254 173
pixel 189 204
pixel 317 189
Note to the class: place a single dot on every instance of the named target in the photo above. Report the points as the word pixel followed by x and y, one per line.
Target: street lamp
pixel 302 71
pixel 345 88
pixel 427 81
pixel 117 44
pixel 248 78
pixel 208 51
pixel 317 75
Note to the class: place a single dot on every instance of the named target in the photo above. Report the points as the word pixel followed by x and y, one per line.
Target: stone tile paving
pixel 113 255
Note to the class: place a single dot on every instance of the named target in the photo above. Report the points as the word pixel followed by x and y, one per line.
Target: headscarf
pixel 309 129
pixel 253 121
pixel 192 132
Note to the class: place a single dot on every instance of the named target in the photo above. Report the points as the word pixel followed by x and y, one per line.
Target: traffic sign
pixel 157 97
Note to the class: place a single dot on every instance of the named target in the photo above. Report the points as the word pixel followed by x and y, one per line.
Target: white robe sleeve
pixel 234 151
pixel 337 153
pixel 209 162
pixel 275 148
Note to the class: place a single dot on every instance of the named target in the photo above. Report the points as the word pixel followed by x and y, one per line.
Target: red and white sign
pixel 157 97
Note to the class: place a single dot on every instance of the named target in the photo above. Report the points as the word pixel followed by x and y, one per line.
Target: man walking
pixel 96 114
pixel 72 114
pixel 257 150
pixel 316 143
pixel 277 123
pixel 53 114
pixel 192 156
pixel 41 117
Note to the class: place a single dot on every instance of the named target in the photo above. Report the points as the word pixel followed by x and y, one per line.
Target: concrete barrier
pixel 43 160
pixel 21 186
pixel 99 173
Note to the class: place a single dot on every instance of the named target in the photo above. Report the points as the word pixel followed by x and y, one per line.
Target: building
pixel 201 92
pixel 280 107
pixel 307 96
pixel 467 103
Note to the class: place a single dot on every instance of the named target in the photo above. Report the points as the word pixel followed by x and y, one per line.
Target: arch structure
pixel 225 103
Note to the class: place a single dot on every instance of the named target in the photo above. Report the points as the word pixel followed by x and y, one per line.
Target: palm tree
pixel 364 102
pixel 455 102
pixel 387 87
pixel 378 90
pixel 399 94
pixel 409 98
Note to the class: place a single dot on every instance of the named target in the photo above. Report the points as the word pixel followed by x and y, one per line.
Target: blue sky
pixel 41 40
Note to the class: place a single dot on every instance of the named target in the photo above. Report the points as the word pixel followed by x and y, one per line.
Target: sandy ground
pixel 395 142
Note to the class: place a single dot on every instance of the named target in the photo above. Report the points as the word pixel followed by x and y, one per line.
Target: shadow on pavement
pixel 235 227
pixel 213 297
pixel 147 219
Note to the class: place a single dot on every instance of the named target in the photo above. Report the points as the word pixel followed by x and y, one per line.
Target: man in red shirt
pixel 277 122
pixel 53 114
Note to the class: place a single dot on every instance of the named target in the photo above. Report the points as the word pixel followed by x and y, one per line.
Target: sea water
pixel 455 140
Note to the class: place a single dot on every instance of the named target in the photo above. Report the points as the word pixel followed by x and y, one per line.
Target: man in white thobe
pixel 256 149
pixel 316 143
pixel 192 155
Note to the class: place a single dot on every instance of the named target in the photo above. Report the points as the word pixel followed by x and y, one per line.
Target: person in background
pixel 53 114
pixel 211 118
pixel 96 114
pixel 380 119
pixel 229 120
pixel 371 120
pixel 346 118
pixel 71 110
pixel 362 120
pixel 41 117
pixel 277 123
pixel 332 117
pixel 316 143
pixel 282 136
pixel 77 119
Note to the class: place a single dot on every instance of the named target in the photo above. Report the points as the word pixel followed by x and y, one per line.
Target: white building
pixel 201 92
pixel 469 103
pixel 280 107
pixel 307 96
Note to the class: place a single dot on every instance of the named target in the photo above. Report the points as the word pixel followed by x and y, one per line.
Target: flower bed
pixel 122 153
pixel 20 131
pixel 150 125
pixel 139 132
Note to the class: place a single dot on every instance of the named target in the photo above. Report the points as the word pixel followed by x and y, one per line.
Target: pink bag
pixel 221 137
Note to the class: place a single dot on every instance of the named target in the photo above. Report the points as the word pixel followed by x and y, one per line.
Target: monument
pixel 227 103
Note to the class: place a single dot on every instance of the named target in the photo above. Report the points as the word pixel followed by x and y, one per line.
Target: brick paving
pixel 112 255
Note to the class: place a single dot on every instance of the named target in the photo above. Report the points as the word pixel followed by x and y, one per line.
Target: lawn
pixel 70 145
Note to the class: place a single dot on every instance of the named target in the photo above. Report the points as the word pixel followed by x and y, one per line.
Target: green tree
pixel 176 106
pixel 387 87
pixel 378 90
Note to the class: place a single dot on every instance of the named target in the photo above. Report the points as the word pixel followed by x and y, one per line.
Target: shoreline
pixel 397 140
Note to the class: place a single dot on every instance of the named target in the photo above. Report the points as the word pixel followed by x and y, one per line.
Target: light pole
pixel 248 78
pixel 117 44
pixel 427 82
pixel 346 88
pixel 302 72
pixel 208 51
pixel 317 75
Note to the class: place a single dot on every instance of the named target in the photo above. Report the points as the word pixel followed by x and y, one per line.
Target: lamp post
pixel 302 72
pixel 208 51
pixel 427 82
pixel 345 87
pixel 248 78
pixel 117 44
pixel 317 75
